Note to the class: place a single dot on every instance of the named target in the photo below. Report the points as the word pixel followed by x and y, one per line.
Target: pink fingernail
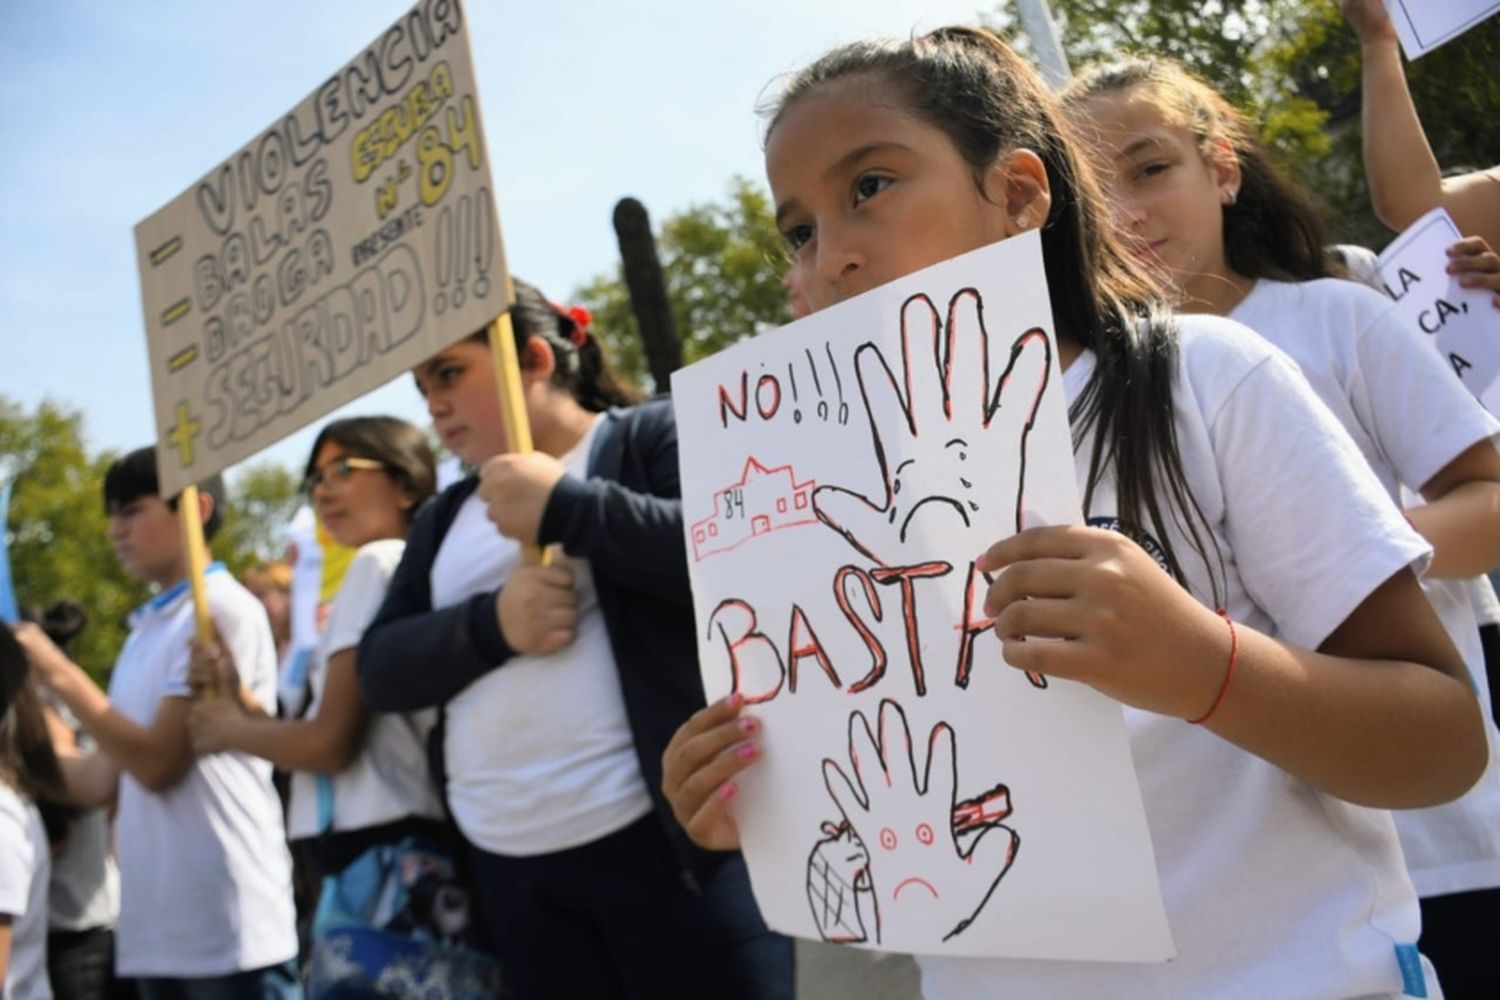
pixel 727 790
pixel 749 724
pixel 734 699
pixel 979 559
pixel 748 751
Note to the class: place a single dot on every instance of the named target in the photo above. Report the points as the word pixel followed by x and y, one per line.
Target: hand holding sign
pixel 927 879
pixel 943 387
pixel 1476 266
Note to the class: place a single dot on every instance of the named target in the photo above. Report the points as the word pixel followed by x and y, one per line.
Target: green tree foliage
pixel 1293 65
pixel 723 263
pixel 262 499
pixel 59 546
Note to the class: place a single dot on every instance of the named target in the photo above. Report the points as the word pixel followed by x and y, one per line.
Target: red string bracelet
pixel 1234 659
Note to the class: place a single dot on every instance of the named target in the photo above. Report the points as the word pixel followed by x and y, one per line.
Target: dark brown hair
pixel 582 368
pixel 27 761
pixel 399 447
pixel 988 101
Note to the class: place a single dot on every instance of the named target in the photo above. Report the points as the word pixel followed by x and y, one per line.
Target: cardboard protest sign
pixel 1423 25
pixel 346 242
pixel 839 476
pixel 1462 323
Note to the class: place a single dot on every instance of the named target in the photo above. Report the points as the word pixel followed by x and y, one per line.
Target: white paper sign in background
pixel 839 476
pixel 1423 25
pixel 1462 323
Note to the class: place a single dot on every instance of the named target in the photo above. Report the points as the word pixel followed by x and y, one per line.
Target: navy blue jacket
pixel 626 520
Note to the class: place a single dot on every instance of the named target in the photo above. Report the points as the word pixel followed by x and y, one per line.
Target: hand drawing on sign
pixel 765 499
pixel 943 390
pixel 908 863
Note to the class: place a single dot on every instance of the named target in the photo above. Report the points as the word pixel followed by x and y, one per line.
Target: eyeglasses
pixel 338 471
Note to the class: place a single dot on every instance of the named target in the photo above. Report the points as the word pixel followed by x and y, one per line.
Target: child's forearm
pixel 1405 180
pixel 1400 731
pixel 1464 529
pixel 156 756
pixel 291 746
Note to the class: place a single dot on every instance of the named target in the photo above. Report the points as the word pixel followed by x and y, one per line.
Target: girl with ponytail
pixel 1253 729
pixel 561 684
pixel 1196 192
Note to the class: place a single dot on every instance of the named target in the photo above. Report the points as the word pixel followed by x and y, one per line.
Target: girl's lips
pixel 452 434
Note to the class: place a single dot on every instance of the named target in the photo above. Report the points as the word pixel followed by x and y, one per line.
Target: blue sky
pixel 113 108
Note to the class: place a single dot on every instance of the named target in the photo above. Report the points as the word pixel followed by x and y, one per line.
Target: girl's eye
pixel 868 186
pixel 449 375
pixel 1150 170
pixel 797 236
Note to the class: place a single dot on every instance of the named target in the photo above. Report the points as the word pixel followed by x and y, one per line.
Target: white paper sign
pixel 1462 323
pixel 351 239
pixel 1423 25
pixel 839 475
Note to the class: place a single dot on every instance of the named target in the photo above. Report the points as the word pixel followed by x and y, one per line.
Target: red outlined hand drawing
pixel 973 429
pixel 765 499
pixel 909 864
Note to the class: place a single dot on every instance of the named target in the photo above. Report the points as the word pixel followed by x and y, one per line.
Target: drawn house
pixel 763 500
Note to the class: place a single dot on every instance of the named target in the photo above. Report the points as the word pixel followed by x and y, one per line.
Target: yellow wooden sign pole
pixel 512 399
pixel 197 559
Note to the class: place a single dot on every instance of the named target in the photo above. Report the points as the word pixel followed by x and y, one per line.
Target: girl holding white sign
pixel 559 685
pixel 1280 867
pixel 1196 193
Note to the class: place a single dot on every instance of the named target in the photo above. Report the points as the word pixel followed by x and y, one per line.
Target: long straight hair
pixel 988 101
pixel 1274 229
pixel 27 761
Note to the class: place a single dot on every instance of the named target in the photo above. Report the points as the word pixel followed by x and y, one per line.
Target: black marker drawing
pixel 942 387
pixel 909 863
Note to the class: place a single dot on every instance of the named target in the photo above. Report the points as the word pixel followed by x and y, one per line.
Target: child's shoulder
pixel 1220 349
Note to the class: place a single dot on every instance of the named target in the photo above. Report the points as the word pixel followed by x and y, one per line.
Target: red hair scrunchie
pixel 582 320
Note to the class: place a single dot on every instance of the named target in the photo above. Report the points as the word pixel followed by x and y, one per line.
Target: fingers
pixel 701 762
pixel 941 779
pixel 1021 385
pixel 895 741
pixel 870 769
pixel 967 355
pixel 928 353
pixel 1067 541
pixel 1476 265
pixel 1468 249
pixel 862 524
pixel 1033 578
pixel 1040 618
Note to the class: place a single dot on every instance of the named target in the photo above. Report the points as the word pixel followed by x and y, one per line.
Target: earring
pixel 1231 196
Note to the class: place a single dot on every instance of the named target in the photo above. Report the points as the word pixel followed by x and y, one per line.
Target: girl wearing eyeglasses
pixel 366 477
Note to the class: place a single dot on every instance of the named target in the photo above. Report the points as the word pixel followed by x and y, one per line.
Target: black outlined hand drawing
pixel 930 862
pixel 973 415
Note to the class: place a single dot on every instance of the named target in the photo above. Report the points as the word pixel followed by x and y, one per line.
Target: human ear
pixel 1224 163
pixel 537 360
pixel 1018 182
pixel 205 506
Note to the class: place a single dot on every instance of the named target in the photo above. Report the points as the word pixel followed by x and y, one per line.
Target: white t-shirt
pixel 85 889
pixel 1364 265
pixel 1410 417
pixel 25 866
pixel 539 752
pixel 1272 888
pixel 205 877
pixel 388 780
